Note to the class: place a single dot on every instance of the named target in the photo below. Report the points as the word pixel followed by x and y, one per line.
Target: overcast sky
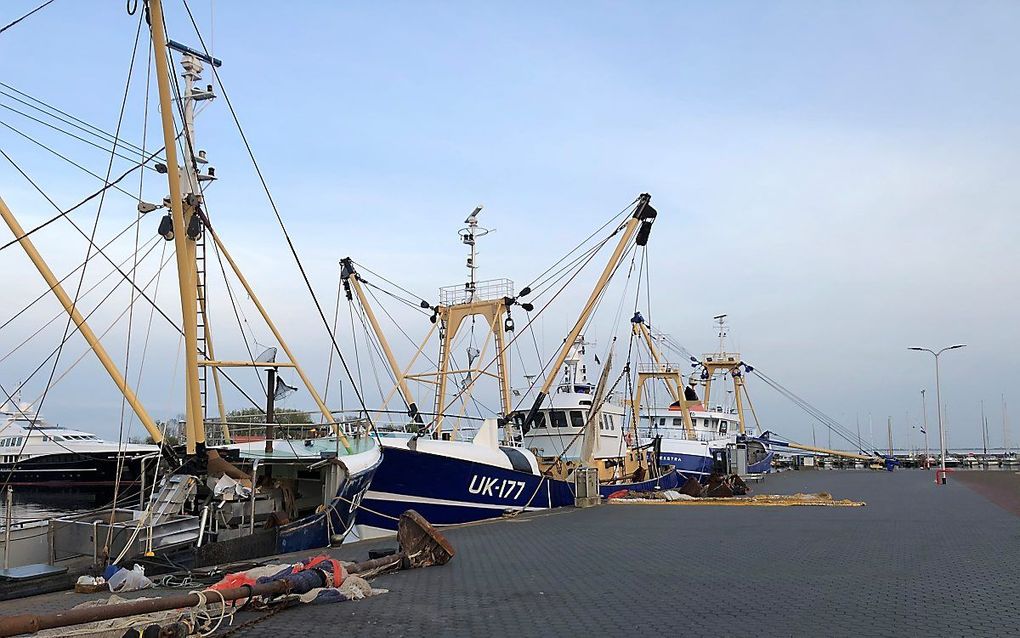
pixel 839 178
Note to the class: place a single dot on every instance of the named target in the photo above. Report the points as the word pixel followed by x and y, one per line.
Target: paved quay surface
pixel 721 571
pixel 727 571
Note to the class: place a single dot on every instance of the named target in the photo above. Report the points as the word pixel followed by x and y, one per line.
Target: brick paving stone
pixel 919 559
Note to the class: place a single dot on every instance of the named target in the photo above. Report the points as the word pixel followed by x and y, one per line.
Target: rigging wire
pixel 130 321
pixel 238 314
pixel 401 329
pixel 150 247
pixel 60 155
pixel 66 118
pixel 365 268
pixel 66 277
pixel 65 212
pixel 329 364
pixel 832 424
pixel 138 218
pixel 162 265
pixel 623 211
pixel 32 12
pixel 72 135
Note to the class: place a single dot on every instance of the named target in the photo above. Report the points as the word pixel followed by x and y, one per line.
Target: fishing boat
pixel 456 470
pixel 35 453
pixel 584 425
pixel 699 440
pixel 212 504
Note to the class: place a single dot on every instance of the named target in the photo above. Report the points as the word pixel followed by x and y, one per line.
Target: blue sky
pixel 837 177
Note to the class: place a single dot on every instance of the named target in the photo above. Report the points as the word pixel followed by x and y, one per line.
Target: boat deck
pixel 918 559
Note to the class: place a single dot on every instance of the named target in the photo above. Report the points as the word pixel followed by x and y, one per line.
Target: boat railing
pixel 664 367
pixel 481 291
pixel 721 357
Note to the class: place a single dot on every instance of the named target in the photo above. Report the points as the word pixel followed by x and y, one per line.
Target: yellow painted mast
pixel 79 321
pixel 659 370
pixel 643 217
pixel 186 278
pixel 352 282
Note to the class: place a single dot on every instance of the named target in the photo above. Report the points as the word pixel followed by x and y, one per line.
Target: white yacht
pixel 36 453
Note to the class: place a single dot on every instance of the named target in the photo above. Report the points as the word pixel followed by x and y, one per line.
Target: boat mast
pixel 984 429
pixel 184 248
pixel 490 300
pixel 186 206
pixel 191 61
pixel 659 370
pixel 643 217
pixel 1005 439
pixel 352 282
pixel 722 361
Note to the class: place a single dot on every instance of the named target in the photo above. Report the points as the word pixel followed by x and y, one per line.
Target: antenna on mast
pixel 468 236
pixel 723 331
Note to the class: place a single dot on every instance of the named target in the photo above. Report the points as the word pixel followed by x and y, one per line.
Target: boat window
pixel 540 420
pixel 662 421
pixel 722 428
pixel 582 389
pixel 677 421
pixel 611 422
pixel 576 419
pixel 558 418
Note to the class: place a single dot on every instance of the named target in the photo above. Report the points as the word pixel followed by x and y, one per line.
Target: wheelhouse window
pixel 577 418
pixel 540 420
pixel 662 421
pixel 558 418
pixel 722 427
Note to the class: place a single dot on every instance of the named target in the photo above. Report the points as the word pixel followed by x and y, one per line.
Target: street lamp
pixel 938 399
pixel 924 411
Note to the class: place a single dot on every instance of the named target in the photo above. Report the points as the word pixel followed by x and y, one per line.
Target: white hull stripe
pixel 403 498
pixel 42 469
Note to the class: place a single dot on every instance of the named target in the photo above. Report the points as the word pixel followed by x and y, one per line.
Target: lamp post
pixel 938 399
pixel 924 411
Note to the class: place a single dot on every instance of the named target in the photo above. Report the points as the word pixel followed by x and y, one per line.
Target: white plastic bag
pixel 129 580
